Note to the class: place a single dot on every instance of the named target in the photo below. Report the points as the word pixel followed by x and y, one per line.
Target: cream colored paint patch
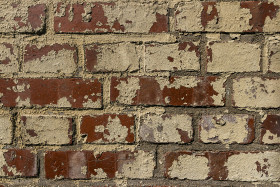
pixel 188 17
pixel 188 82
pixel 255 92
pixel 49 130
pixel 100 174
pixel 274 54
pixel 189 167
pixel 219 87
pixel 269 138
pixel 127 91
pixel 63 102
pixel 233 18
pixel 6 130
pixel 92 104
pixel 141 167
pixel 226 129
pixel 254 166
pixel 118 57
pixel 157 58
pixel 157 129
pixel 135 17
pixel 53 62
pixel 5 53
pixel 234 57
pixel 117 132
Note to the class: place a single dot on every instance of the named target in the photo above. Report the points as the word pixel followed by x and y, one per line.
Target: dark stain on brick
pixel 184 136
pixel 271 124
pixel 56 164
pixel 171 59
pixel 218 170
pixel 260 11
pixel 36 16
pixel 31 132
pixel 7 60
pixel 91 53
pixel 117 26
pixel 251 129
pixel 192 47
pixel 161 24
pixel 262 168
pixel 205 17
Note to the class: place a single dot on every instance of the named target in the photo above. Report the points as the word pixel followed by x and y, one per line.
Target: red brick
pixel 18 162
pixel 86 164
pixel 227 129
pixel 231 165
pixel 76 93
pixel 110 17
pixel 56 58
pixel 108 128
pixel 22 17
pixel 8 58
pixel 270 133
pixel 173 91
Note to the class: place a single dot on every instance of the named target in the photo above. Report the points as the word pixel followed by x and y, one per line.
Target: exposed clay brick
pixel 172 57
pixel 273 54
pixel 249 16
pixel 56 58
pixel 173 91
pixel 112 57
pixel 270 133
pixel 232 165
pixel 233 57
pixel 6 129
pixel 166 128
pixel 18 162
pixel 110 17
pixel 108 128
pixel 227 129
pixel 256 92
pixel 8 58
pixel 22 17
pixel 76 93
pixel 86 164
pixel 49 130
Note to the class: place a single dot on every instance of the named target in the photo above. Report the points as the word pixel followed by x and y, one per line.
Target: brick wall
pixel 139 93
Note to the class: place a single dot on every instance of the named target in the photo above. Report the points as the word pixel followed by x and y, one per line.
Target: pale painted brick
pixel 49 130
pixel 249 16
pixel 8 58
pixel 273 55
pixel 233 57
pixel 6 130
pixel 226 129
pixel 172 57
pixel 56 58
pixel 112 57
pixel 166 128
pixel 256 92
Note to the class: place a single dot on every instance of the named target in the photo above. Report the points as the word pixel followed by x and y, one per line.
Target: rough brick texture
pixel 140 93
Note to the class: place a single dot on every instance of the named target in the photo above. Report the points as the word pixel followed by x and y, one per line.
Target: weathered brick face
pixel 140 93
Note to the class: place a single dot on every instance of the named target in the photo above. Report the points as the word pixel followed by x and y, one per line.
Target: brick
pixel 231 165
pixel 108 128
pixel 273 54
pixel 22 17
pixel 166 128
pixel 173 91
pixel 233 57
pixel 249 16
pixel 112 57
pixel 46 130
pixel 110 18
pixel 74 92
pixel 172 57
pixel 86 164
pixel 8 58
pixel 56 58
pixel 270 129
pixel 256 92
pixel 18 162
pixel 6 129
pixel 226 129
